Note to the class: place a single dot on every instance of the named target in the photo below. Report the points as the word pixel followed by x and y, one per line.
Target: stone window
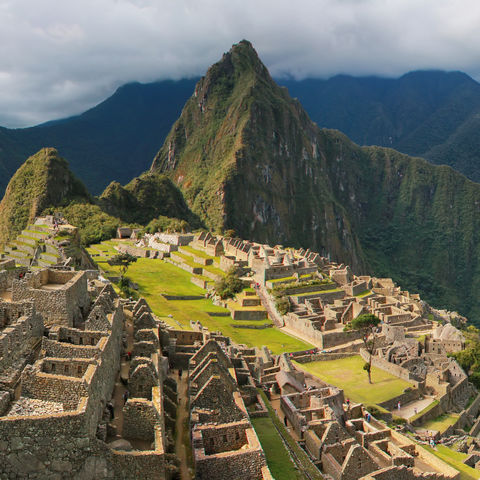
pixel 53 367
pixel 66 369
pixel 79 369
pixel 92 341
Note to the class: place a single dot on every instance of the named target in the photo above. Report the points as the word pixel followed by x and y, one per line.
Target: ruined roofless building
pixel 54 418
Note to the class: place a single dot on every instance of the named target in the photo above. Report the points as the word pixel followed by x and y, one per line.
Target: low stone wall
pixel 132 250
pixel 199 282
pixel 183 297
pixel 255 327
pixel 323 357
pixel 326 297
pixel 406 397
pixel 249 314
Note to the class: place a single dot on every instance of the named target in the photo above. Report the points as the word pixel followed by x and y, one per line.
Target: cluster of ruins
pixel 91 385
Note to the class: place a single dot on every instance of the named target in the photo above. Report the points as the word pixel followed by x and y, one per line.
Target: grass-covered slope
pixel 247 157
pixel 145 198
pixel 44 180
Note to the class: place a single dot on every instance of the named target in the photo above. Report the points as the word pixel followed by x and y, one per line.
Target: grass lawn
pixel 302 460
pixel 364 293
pixel 278 459
pixel 455 459
pixel 156 277
pixel 441 423
pixel 198 253
pixel 348 374
pixel 316 292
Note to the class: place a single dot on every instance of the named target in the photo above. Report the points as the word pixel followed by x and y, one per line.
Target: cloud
pixel 60 58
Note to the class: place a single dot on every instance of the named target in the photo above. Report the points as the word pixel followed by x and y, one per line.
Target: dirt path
pixel 180 425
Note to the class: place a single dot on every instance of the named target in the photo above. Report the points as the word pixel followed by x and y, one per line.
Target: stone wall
pixel 243 464
pixel 139 419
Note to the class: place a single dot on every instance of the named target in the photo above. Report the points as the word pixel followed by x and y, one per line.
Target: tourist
pixel 111 410
pixel 126 394
pixel 399 406
pixel 369 417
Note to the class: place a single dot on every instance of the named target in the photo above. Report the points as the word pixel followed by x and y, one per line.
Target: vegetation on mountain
pixel 146 198
pixel 43 180
pixel 45 185
pixel 432 114
pixel 248 158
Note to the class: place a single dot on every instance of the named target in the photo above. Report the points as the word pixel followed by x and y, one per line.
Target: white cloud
pixel 59 58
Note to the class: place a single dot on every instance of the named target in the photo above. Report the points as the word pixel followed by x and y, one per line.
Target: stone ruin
pixel 61 343
pixel 224 442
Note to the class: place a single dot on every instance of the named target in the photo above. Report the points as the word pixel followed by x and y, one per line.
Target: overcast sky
pixel 58 58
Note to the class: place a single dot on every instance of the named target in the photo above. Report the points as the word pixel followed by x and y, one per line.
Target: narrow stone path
pixel 180 425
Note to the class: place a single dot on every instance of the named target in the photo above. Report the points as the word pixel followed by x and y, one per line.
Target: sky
pixel 59 58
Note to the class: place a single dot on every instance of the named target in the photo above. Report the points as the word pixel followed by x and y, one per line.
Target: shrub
pixel 230 285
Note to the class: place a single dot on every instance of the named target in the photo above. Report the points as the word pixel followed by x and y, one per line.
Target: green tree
pixel 367 325
pixel 229 285
pixel 123 261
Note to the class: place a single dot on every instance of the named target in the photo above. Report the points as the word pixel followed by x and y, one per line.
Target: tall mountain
pixel 115 140
pixel 44 180
pixel 247 157
pixel 432 114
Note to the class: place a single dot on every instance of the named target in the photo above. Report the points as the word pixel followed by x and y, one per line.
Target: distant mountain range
pixel 116 140
pixel 432 114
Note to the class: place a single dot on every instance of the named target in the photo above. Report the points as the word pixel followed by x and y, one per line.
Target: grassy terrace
pixel 278 458
pixel 156 277
pixel 455 459
pixel 441 423
pixel 364 293
pixel 198 253
pixel 209 268
pixel 290 279
pixel 316 292
pixel 348 374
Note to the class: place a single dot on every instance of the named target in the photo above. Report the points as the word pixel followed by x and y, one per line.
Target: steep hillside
pixel 248 157
pixel 44 184
pixel 145 198
pixel 115 140
pixel 431 114
pixel 44 180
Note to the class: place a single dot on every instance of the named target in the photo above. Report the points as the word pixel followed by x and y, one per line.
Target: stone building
pixel 55 388
pixel 224 443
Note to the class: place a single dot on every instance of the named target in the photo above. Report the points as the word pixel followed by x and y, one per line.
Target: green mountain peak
pixel 44 180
